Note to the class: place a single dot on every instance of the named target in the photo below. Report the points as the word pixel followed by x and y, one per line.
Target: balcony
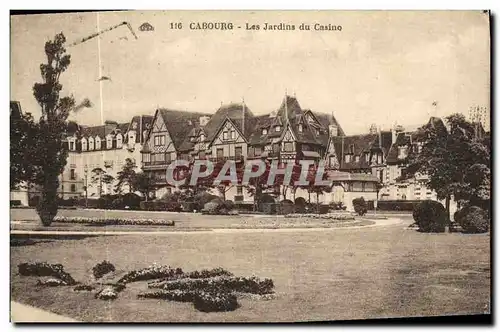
pixel 156 164
pixel 225 158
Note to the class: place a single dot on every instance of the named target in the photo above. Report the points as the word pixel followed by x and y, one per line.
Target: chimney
pixel 243 118
pixel 204 120
pixel 395 132
pixel 334 130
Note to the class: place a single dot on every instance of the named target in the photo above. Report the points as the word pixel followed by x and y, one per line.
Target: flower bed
pixel 340 217
pixel 114 221
pixel 102 268
pixel 44 269
pixel 151 272
pixel 251 285
pixel 217 272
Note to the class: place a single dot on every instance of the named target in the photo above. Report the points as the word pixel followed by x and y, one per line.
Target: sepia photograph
pixel 174 166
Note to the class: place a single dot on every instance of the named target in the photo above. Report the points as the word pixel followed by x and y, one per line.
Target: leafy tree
pixel 23 131
pixel 126 176
pixel 455 161
pixel 50 151
pixel 100 177
pixel 144 183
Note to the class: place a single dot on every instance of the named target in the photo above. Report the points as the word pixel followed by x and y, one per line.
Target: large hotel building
pixel 234 132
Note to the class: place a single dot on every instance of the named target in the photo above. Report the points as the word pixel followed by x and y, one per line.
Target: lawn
pixel 337 274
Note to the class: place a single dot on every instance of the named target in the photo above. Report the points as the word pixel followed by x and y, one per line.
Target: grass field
pixel 338 274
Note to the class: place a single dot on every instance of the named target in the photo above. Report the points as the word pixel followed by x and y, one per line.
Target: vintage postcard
pixel 250 166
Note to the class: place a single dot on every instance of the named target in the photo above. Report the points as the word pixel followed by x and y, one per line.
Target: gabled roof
pixel 361 144
pixel 235 112
pixel 179 124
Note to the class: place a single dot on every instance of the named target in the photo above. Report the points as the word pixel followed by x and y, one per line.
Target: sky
pixel 384 67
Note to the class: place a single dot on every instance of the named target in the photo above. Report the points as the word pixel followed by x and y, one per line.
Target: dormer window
pixel 301 128
pixel 72 145
pixel 347 158
pixel 97 143
pixel 264 131
pixel 277 128
pixel 84 144
pixel 367 157
pixel 109 141
pixel 233 134
pixel 131 137
pixel 119 141
pixel 402 152
pixel 356 159
pixel 91 143
pixel 202 138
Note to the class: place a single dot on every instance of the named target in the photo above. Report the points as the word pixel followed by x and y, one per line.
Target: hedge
pixel 397 205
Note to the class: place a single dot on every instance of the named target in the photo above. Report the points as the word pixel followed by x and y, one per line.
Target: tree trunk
pixel 447 206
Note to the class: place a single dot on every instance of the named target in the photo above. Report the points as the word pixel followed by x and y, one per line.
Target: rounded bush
pixel 287 206
pixel 102 268
pixel 473 219
pixel 430 216
pixel 360 206
pixel 211 207
pixel 228 205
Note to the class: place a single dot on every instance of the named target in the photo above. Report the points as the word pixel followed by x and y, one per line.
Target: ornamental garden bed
pixel 212 290
pixel 113 221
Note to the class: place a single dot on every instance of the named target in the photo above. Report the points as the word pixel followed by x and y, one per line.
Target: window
pixel 402 152
pixel 301 128
pixel 159 157
pixel 201 154
pixel 276 148
pixel 119 141
pixel 367 157
pixel 356 159
pixel 84 144
pixel 233 134
pixel 91 143
pixel 224 136
pixel 369 187
pixel 278 128
pixel 172 156
pixel 73 188
pixel 97 143
pixel 351 148
pixel 146 157
pixel 381 175
pixel 109 142
pixel 288 146
pixel 347 158
pixel 239 190
pixel 71 145
pixel 238 151
pixel 72 175
pixel 356 186
pixel 332 161
pixel 159 140
pixel 264 131
pixel 220 153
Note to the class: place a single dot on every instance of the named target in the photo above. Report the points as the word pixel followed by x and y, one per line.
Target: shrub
pixel 430 216
pixel 211 208
pixel 15 202
pixel 228 205
pixel 43 269
pixel 473 219
pixel 215 301
pixel 286 206
pixel 84 287
pixel 133 201
pixel 360 206
pixel 118 204
pixel 110 291
pixel 102 268
pixel 147 205
pixel 337 206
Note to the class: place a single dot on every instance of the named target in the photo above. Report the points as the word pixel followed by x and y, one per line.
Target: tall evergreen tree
pixel 50 153
pixel 126 176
